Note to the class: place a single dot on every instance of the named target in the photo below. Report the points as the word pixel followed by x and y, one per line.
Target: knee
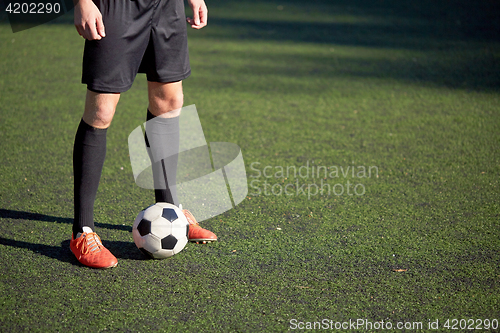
pixel 177 101
pixel 100 109
pixel 162 104
pixel 98 119
pixel 104 116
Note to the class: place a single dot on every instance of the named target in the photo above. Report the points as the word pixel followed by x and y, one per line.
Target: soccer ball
pixel 161 230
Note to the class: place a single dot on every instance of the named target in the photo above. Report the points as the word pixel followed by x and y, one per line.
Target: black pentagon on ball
pixel 168 243
pixel 146 252
pixel 144 227
pixel 169 214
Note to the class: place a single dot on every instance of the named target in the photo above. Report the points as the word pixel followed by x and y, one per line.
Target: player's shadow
pixel 20 215
pixel 121 249
pixel 61 253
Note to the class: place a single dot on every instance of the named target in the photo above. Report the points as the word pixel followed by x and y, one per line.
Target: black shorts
pixel 142 36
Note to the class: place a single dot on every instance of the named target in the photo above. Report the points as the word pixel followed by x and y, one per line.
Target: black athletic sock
pixel 163 139
pixel 89 153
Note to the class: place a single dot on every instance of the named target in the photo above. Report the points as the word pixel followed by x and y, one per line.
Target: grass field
pixel 410 89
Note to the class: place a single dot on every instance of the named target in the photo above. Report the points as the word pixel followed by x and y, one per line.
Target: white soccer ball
pixel 161 230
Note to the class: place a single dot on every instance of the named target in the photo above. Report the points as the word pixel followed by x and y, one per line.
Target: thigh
pixel 111 64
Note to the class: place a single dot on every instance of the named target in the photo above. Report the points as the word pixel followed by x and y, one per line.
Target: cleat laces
pixel 89 242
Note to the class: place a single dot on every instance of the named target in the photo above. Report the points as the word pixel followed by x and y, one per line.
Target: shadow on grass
pixel 452 44
pixel 122 250
pixel 286 72
pixel 411 37
pixel 14 214
pixel 61 253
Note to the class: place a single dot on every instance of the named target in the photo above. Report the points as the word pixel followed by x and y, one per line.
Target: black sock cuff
pixel 84 127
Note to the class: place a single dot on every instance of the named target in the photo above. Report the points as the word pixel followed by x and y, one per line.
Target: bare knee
pixel 164 104
pixel 165 100
pixel 100 117
pixel 100 109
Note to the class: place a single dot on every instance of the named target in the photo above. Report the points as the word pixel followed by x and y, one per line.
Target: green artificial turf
pixel 407 90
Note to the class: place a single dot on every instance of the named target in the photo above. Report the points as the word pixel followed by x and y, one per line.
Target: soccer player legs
pixel 102 61
pixel 162 137
pixel 89 153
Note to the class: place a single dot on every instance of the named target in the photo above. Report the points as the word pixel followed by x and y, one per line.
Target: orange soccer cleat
pixel 196 233
pixel 89 251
